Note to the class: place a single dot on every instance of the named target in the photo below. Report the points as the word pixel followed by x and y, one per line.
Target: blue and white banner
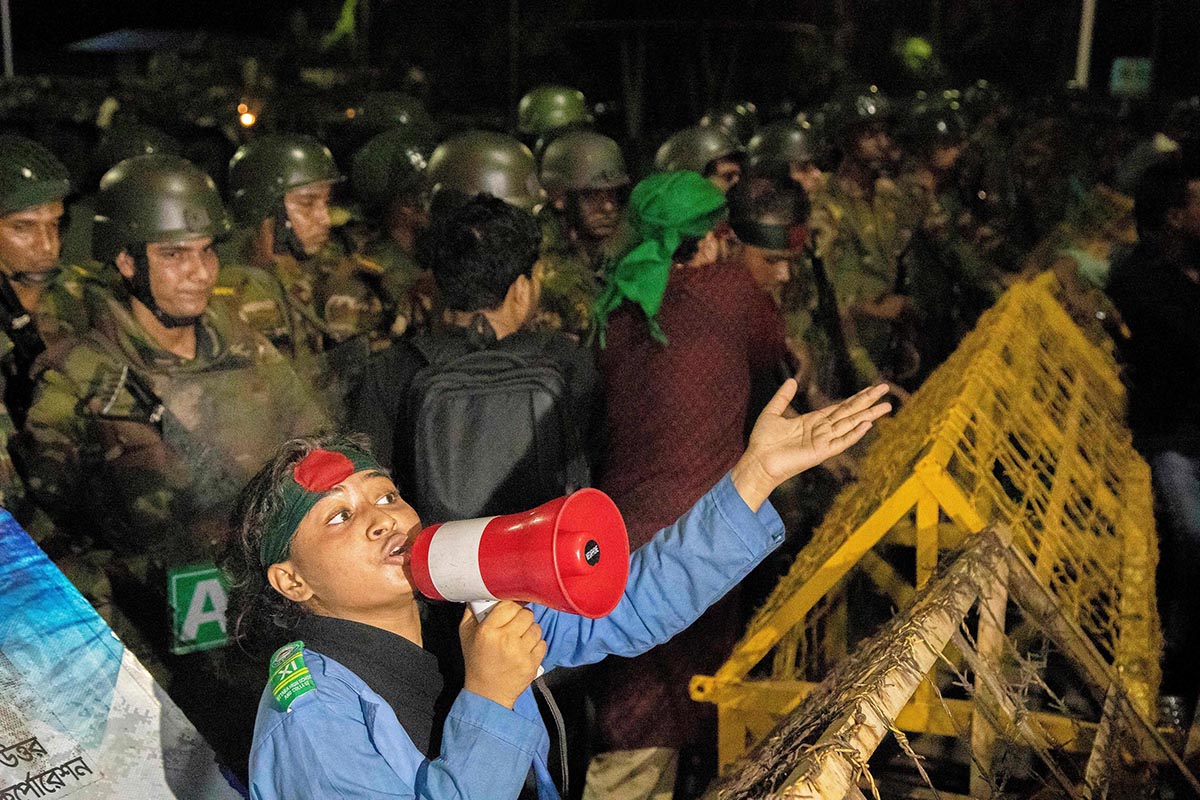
pixel 78 713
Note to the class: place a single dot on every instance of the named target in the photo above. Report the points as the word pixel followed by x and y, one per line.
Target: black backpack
pixel 493 430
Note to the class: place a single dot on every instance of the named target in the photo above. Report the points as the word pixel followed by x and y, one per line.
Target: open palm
pixel 784 443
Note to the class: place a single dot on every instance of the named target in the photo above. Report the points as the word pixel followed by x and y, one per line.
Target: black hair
pixel 258 617
pixel 1162 188
pixel 687 249
pixel 772 196
pixel 477 249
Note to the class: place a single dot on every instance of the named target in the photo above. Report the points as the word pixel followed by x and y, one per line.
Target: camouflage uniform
pixel 570 281
pixel 102 457
pixel 862 242
pixel 570 272
pixel 30 176
pixel 328 311
pixel 950 278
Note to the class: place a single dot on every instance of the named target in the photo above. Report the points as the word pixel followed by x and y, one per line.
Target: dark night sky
pixel 473 29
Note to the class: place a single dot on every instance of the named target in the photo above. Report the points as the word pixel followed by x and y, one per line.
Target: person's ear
pixel 125 265
pixel 520 294
pixel 286 579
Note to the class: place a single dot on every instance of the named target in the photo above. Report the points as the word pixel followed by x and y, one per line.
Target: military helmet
pixel 155 198
pixel 583 160
pixel 695 148
pixel 739 120
pixel 934 121
pixel 781 142
pixel 264 170
pixel 381 111
pixel 127 140
pixel 544 108
pixel 392 164
pixel 485 162
pixel 29 175
pixel 852 110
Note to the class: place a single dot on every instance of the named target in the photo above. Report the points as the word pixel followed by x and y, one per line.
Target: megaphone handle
pixel 481 608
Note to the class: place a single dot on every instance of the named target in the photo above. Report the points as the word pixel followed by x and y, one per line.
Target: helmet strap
pixel 35 278
pixel 286 243
pixel 139 289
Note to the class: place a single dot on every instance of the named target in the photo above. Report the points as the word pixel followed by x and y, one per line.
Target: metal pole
pixel 6 32
pixel 1083 55
pixel 514 44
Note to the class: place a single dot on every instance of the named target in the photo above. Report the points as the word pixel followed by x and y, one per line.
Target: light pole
pixel 1083 54
pixel 6 32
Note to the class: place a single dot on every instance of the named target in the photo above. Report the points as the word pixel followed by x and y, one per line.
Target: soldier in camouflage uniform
pixel 142 432
pixel 862 225
pixel 326 307
pixel 950 279
pixel 582 226
pixel 41 300
pixel 784 149
pixel 388 176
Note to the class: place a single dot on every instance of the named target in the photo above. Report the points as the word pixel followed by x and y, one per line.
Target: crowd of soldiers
pixel 160 340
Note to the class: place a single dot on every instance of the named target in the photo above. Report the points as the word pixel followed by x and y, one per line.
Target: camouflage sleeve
pixel 12 490
pixel 50 446
pixel 97 463
pixel 257 299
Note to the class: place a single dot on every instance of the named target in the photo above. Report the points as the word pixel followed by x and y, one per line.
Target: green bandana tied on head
pixel 663 209
pixel 313 476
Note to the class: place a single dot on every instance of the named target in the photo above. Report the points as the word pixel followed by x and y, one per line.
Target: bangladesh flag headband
pixel 311 479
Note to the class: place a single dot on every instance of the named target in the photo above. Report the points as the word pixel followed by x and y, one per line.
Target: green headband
pixel 311 479
pixel 663 209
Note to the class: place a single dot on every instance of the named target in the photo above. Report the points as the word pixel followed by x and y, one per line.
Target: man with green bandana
pixel 683 337
pixel 142 434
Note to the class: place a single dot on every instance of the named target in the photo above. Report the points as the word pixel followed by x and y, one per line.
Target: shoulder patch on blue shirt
pixel 290 677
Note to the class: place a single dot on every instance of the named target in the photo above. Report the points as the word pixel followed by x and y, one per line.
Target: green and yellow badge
pixel 290 677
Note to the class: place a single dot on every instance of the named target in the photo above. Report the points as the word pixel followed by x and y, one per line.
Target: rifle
pixel 212 483
pixel 27 346
pixel 830 319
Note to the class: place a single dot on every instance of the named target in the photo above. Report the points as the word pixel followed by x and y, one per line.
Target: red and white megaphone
pixel 571 554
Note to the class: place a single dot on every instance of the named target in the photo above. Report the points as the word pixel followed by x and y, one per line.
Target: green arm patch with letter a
pixel 290 677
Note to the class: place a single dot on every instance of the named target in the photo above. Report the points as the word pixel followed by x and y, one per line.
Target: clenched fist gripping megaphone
pixel 571 554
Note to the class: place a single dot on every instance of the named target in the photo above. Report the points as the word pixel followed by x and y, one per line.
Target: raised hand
pixel 784 444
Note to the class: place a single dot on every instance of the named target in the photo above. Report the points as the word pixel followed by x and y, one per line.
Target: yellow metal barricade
pixel 1022 426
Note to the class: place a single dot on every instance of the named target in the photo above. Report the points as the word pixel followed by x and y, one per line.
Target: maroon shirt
pixel 677 421
pixel 677 413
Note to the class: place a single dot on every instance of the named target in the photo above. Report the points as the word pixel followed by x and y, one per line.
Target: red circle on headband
pixel 321 470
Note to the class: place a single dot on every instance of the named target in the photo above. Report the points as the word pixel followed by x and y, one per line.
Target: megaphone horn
pixel 571 554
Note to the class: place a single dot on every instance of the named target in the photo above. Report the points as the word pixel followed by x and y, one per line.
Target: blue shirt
pixel 343 740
